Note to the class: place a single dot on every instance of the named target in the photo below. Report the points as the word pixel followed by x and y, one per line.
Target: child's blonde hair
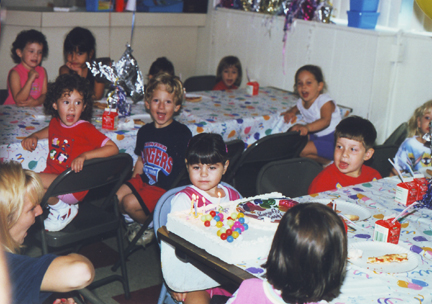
pixel 16 185
pixel 226 62
pixel 172 84
pixel 413 128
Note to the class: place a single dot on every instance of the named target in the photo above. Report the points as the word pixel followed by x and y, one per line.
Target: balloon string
pixel 133 26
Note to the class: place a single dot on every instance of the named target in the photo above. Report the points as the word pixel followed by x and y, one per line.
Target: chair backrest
pixel 235 150
pixel 291 177
pixel 269 148
pixel 3 96
pixel 398 135
pixel 163 206
pixel 379 160
pixel 200 83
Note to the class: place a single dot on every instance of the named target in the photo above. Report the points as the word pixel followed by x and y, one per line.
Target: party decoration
pixel 270 6
pixel 426 7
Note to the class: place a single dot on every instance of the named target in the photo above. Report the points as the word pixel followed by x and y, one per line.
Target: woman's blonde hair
pixel 413 128
pixel 16 184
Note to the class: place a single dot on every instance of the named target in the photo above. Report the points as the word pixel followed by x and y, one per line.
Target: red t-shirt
pixel 66 143
pixel 331 178
pixel 221 86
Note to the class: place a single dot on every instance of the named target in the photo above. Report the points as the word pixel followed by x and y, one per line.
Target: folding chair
pixel 379 160
pixel 160 216
pixel 95 219
pixel 269 148
pixel 200 83
pixel 235 150
pixel 398 135
pixel 291 177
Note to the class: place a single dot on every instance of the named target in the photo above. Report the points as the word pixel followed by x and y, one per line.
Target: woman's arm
pixel 67 273
pixel 30 142
pixel 109 149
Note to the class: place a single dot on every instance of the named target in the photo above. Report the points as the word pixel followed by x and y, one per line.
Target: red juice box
pixel 252 88
pixel 110 119
pixel 387 231
pixel 422 186
pixel 406 193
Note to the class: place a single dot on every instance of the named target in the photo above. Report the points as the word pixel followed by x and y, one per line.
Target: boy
pixel 354 139
pixel 161 148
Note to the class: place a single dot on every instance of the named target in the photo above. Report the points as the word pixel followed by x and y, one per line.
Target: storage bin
pixel 364 20
pixel 99 5
pixel 160 6
pixel 364 5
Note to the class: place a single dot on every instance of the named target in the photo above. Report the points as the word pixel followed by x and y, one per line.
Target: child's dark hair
pixel 172 84
pixel 30 36
pixel 79 39
pixel 226 62
pixel 206 148
pixel 314 70
pixel 67 83
pixel 308 254
pixel 357 128
pixel 162 64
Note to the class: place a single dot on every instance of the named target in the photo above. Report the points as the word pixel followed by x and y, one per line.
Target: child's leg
pixel 197 297
pixel 130 205
pixel 310 151
pixel 47 179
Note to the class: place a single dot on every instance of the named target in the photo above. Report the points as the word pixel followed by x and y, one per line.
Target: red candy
pixel 229 232
pixel 213 213
pixel 223 236
pixel 207 223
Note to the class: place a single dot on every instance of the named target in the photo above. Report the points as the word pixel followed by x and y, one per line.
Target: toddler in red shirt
pixel 228 74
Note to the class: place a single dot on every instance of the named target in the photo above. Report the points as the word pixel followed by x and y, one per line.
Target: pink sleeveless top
pixel 232 194
pixel 37 85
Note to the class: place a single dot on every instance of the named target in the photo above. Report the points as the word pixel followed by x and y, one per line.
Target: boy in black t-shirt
pixel 161 148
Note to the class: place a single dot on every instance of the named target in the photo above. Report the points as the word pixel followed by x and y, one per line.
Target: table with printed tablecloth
pixel 363 285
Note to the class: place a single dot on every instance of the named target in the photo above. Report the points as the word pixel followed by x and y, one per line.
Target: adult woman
pixel 33 279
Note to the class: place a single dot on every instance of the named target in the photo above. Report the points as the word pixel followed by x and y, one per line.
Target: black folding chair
pixel 379 160
pixel 291 177
pixel 398 135
pixel 235 150
pixel 200 83
pixel 269 148
pixel 96 219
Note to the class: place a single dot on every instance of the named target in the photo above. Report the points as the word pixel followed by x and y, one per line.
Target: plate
pixel 347 208
pixel 374 249
pixel 424 172
pixel 144 117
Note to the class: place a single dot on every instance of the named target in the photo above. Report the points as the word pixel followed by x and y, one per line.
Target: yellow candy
pixel 240 215
pixel 219 224
pixel 218 233
pixel 235 234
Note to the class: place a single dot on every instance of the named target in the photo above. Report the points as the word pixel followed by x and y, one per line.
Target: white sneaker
pixel 147 237
pixel 58 219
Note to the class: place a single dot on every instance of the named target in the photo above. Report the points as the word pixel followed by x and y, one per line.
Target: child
pixel 229 74
pixel 354 137
pixel 160 148
pixel 415 152
pixel 162 64
pixel 306 261
pixel 27 81
pixel 78 49
pixel 206 162
pixel 318 110
pixel 33 279
pixel 72 140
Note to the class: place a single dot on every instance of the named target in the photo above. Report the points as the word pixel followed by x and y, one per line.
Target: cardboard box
pixel 386 231
pixel 252 88
pixel 406 193
pixel 110 119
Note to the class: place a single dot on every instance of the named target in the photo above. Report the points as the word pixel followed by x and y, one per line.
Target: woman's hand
pixel 29 143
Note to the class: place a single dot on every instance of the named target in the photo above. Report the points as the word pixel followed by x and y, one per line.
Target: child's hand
pixel 64 301
pixel 76 68
pixel 178 296
pixel 29 143
pixel 78 163
pixel 289 116
pixel 303 129
pixel 33 73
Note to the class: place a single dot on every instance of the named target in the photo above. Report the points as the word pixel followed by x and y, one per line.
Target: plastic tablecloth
pixel 233 114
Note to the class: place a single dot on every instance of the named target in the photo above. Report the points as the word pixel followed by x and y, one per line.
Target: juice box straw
pixel 403 211
pixel 411 171
pixel 398 172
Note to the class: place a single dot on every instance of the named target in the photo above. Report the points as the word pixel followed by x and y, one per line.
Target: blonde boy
pixel 354 137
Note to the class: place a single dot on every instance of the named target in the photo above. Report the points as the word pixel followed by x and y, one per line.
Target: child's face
pixel 206 177
pixel 229 75
pixel 308 87
pixel 18 231
pixel 78 59
pixel 31 55
pixel 162 107
pixel 69 107
pixel 349 156
pixel 423 122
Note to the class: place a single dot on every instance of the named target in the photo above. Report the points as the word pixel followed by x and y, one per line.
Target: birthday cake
pixel 251 232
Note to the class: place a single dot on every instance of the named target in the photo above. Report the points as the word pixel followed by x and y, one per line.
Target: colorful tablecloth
pixel 367 286
pixel 233 114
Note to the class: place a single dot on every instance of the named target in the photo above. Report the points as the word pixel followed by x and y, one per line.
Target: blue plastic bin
pixel 364 5
pixel 99 5
pixel 160 6
pixel 364 20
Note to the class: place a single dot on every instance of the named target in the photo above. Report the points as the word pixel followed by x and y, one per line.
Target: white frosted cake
pixel 253 243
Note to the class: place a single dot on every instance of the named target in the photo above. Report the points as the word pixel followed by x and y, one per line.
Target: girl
pixel 33 279
pixel 206 162
pixel 80 48
pixel 72 139
pixel 306 260
pixel 229 74
pixel 415 152
pixel 27 81
pixel 318 110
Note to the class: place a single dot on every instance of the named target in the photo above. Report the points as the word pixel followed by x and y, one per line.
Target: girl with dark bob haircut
pixel 307 258
pixel 206 148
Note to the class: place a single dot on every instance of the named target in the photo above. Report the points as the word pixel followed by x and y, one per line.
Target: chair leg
pixel 90 296
pixel 125 280
pixel 131 248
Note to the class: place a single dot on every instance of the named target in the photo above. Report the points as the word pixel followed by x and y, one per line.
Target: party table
pixel 233 114
pixel 363 285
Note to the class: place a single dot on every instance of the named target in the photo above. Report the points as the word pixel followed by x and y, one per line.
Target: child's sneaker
pixel 132 230
pixel 58 219
pixel 147 237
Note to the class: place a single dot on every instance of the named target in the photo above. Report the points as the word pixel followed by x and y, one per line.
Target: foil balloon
pixel 426 7
pixel 270 6
pixel 323 12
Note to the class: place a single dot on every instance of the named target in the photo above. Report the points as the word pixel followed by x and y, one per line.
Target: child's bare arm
pixel 109 149
pixel 30 142
pixel 326 112
pixel 21 95
pixel 290 114
pixel 138 168
pixel 41 98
